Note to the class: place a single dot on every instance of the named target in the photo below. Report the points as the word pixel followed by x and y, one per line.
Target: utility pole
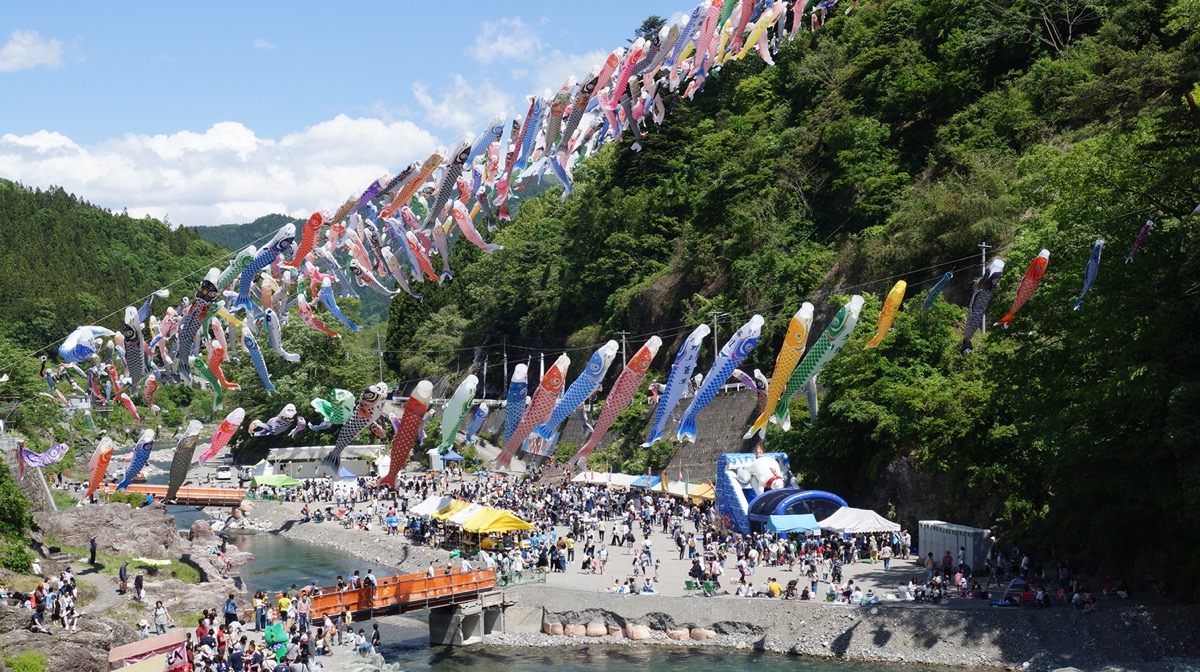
pixel 504 390
pixel 983 262
pixel 624 359
pixel 542 373
pixel 379 350
pixel 715 314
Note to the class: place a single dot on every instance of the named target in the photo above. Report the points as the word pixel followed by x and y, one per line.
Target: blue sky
pixel 220 112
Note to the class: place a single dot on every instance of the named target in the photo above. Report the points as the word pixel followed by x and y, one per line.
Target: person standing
pixel 885 554
pixel 230 609
pixel 260 611
pixel 92 551
pixel 139 587
pixel 123 575
pixel 162 618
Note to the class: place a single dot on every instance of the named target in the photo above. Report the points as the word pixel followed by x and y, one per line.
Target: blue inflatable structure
pixel 743 510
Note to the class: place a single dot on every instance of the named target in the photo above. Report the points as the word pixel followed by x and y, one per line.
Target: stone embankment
pixel 1116 636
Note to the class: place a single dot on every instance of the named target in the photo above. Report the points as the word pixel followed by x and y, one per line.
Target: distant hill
pixel 69 263
pixel 237 236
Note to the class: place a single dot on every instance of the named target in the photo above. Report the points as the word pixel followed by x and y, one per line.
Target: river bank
pixel 1120 635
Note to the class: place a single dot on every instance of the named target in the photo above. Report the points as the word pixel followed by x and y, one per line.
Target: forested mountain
pixel 237 236
pixel 889 144
pixel 68 263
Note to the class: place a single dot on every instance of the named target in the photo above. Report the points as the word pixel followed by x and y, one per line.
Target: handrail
pixel 405 592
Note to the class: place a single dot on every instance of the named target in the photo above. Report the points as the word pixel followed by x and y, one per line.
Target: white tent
pixel 462 516
pixel 853 521
pixel 604 478
pixel 429 506
pixel 264 468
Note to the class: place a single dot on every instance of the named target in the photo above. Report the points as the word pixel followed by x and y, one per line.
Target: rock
pixel 678 634
pixel 86 649
pixel 553 629
pixel 201 532
pixel 147 532
pixel 637 632
pixel 702 634
pixel 574 630
pixel 596 629
pixel 614 631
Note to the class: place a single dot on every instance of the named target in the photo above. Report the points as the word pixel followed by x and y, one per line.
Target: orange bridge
pixel 187 496
pixel 405 593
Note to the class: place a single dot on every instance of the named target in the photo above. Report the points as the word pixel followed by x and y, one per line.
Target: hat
pixel 143 624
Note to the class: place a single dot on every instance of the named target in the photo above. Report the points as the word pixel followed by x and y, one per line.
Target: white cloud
pixel 26 49
pixel 264 44
pixel 225 174
pixel 463 105
pixel 553 71
pixel 506 40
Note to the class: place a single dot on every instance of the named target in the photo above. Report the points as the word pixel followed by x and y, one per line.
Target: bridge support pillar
pixel 467 623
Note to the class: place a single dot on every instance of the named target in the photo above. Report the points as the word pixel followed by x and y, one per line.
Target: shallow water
pixel 278 561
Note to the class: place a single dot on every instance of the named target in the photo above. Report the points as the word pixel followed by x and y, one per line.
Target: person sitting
pixel 742 591
pixel 870 597
pixel 804 594
pixel 36 622
pixel 773 588
pixel 1089 602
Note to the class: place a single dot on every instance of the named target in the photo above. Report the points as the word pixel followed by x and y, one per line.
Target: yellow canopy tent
pixel 494 520
pixel 155 664
pixel 450 509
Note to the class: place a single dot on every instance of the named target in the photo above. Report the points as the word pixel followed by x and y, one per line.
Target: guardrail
pixel 404 593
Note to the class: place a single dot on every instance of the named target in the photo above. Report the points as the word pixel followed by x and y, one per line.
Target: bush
pixel 30 661
pixel 16 557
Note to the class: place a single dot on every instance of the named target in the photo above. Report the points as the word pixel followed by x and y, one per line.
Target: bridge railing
pixel 406 592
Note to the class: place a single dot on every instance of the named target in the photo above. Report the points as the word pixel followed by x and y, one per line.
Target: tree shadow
pixel 841 645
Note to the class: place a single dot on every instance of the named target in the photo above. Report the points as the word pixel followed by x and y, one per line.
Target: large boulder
pixel 596 629
pixel 575 630
pixel 552 628
pixel 637 631
pixel 146 532
pixel 83 651
pixel 701 634
pixel 679 634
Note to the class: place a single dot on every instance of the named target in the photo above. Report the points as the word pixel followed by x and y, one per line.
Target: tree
pixel 650 27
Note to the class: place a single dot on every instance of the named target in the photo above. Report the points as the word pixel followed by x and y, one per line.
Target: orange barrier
pixel 404 593
pixel 187 495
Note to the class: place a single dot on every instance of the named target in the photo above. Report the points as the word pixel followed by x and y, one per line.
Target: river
pixel 278 561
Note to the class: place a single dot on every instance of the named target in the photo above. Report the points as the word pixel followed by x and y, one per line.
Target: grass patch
pixel 110 565
pixel 62 499
pixel 29 661
pixel 85 592
pixel 187 620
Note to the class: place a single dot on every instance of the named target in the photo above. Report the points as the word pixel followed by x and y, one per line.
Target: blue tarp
pixel 804 522
pixel 646 481
pixel 451 456
pixel 345 474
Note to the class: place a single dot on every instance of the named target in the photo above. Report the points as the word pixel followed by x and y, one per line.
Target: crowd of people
pixel 51 604
pixel 231 639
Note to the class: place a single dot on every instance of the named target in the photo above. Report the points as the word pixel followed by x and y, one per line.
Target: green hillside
pixel 888 145
pixel 68 263
pixel 237 236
